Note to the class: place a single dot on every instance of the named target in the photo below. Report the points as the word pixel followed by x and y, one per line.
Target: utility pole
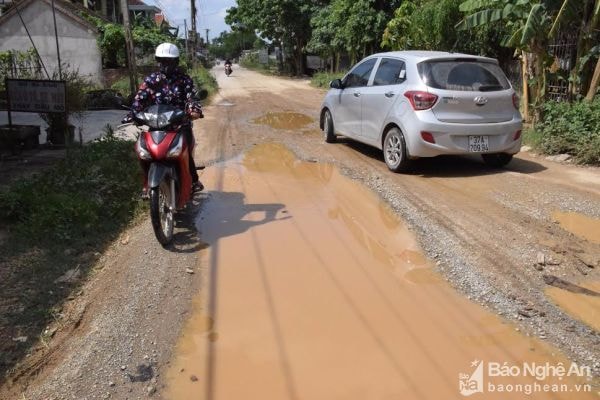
pixel 187 50
pixel 207 30
pixel 129 47
pixel 194 33
pixel 56 38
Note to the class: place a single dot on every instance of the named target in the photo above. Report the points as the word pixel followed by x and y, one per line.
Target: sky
pixel 210 14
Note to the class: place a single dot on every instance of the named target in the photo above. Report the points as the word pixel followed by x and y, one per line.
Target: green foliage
pixel 203 79
pixel 88 195
pixel 122 84
pixel 112 44
pixel 231 44
pixel 322 79
pixel 572 128
pixel 19 64
pixel 250 61
pixel 146 36
pixel 429 25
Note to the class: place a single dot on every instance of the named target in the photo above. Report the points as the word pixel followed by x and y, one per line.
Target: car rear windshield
pixel 463 75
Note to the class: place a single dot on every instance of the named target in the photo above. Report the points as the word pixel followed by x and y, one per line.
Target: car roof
pixel 422 55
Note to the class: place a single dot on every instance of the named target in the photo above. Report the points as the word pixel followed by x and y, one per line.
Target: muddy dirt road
pixel 319 274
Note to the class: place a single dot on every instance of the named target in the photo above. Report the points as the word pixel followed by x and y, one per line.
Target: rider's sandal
pixel 197 186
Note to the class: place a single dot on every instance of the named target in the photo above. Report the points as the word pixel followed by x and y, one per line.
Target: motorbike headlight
pixel 141 150
pixel 176 147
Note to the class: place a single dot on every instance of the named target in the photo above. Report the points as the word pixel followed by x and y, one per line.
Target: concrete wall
pixel 78 46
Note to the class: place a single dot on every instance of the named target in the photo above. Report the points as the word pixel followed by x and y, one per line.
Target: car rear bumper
pixel 454 138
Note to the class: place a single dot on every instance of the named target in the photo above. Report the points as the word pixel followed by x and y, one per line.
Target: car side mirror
pixel 336 84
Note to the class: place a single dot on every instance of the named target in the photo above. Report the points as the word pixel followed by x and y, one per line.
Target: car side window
pixel 359 76
pixel 390 72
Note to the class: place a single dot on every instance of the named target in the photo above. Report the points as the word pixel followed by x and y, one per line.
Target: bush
pixel 250 61
pixel 322 79
pixel 571 128
pixel 91 194
pixel 203 79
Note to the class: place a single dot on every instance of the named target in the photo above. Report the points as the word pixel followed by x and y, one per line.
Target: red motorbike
pixel 164 154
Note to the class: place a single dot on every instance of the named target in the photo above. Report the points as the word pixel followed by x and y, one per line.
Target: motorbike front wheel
pixel 161 212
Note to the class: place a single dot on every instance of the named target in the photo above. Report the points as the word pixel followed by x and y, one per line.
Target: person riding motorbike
pixel 227 66
pixel 170 86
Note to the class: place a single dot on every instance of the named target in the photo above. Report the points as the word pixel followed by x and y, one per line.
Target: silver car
pixel 413 104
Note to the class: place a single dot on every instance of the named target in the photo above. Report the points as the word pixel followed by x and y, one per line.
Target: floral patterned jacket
pixel 159 88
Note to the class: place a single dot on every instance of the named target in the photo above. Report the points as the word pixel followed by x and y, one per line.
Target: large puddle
pixel 583 304
pixel 315 290
pixel 284 120
pixel 580 225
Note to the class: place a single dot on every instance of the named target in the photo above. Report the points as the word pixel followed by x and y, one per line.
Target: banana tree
pixel 528 23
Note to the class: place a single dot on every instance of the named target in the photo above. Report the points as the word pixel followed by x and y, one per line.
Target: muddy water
pixel 315 290
pixel 579 225
pixel 284 120
pixel 584 305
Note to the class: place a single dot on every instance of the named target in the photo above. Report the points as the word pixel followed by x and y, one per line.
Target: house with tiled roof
pixel 77 38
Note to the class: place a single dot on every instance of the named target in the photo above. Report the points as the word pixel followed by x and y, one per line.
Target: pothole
pixel 284 120
pixel 580 225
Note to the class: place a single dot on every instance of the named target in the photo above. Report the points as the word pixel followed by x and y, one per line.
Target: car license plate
pixel 478 144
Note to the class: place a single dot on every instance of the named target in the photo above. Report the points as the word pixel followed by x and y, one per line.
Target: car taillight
pixel 421 100
pixel 428 137
pixel 517 135
pixel 515 99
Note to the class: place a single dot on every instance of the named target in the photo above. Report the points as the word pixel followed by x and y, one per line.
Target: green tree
pixel 429 25
pixel 231 44
pixel 284 21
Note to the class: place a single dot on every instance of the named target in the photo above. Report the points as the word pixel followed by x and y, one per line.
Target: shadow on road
pixel 449 166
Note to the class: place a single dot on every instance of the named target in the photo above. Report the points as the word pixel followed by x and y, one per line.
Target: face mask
pixel 168 68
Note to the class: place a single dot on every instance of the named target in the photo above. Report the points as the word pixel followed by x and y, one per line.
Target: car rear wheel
pixel 496 160
pixel 328 131
pixel 394 151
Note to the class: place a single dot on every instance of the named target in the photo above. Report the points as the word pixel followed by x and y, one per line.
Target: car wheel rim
pixel 393 150
pixel 327 118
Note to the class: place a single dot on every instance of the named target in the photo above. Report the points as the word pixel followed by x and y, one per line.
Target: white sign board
pixel 36 95
pixel 263 56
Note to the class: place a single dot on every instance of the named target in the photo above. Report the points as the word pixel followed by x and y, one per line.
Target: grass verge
pixel 54 222
pixel 322 79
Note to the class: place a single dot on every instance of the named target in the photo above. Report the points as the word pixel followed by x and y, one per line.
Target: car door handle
pixel 356 94
pixel 390 94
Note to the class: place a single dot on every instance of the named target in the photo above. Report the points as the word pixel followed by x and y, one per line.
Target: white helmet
pixel 167 50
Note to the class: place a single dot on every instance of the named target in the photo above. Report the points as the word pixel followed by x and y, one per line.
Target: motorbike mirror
pixel 178 116
pixel 200 94
pixel 139 118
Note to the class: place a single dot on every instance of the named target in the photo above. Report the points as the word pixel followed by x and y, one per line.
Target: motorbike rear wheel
pixel 162 212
